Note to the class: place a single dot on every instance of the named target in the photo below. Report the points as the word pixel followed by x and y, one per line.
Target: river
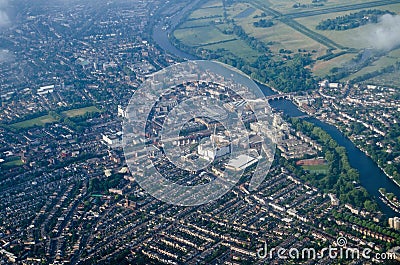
pixel 371 176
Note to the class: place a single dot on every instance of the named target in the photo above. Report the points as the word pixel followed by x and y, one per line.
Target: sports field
pixel 40 121
pixel 80 112
pixel 318 169
pixel 47 119
pixel 14 163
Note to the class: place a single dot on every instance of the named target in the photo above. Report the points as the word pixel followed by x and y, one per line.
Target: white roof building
pixel 241 163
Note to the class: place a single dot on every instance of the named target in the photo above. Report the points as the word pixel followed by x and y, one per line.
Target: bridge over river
pixel 280 96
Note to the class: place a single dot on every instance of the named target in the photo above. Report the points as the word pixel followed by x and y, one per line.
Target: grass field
pixel 285 34
pixel 286 6
pixel 237 47
pixel 201 36
pixel 207 12
pixel 284 37
pixel 80 112
pixel 40 121
pixel 200 33
pixel 358 38
pixel 47 119
pixel 14 163
pixel 196 23
pixel 238 8
pixel 390 79
pixel 390 59
pixel 212 4
pixel 322 68
pixel 318 169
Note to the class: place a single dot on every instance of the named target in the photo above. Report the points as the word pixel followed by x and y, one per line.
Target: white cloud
pixel 4 18
pixel 386 34
pixel 3 3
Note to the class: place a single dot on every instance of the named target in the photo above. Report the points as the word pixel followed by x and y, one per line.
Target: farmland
pixel 210 28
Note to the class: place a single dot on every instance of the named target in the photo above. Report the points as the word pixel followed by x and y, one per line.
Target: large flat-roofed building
pixel 45 90
pixel 241 163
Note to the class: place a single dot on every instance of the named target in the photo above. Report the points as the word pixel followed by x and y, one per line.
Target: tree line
pixel 353 20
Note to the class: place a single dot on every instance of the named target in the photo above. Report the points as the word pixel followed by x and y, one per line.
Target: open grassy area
pixel 212 4
pixel 322 68
pixel 390 59
pixel 358 38
pixel 47 119
pixel 238 8
pixel 201 36
pixel 389 79
pixel 280 35
pixel 318 169
pixel 14 163
pixel 196 23
pixel 284 37
pixel 297 34
pixel 349 38
pixel 237 47
pixel 79 112
pixel 40 121
pixel 286 6
pixel 207 12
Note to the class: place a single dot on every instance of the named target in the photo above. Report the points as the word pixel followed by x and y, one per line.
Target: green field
pixel 14 163
pixel 389 79
pixel 286 6
pixel 353 38
pixel 238 8
pixel 197 37
pixel 206 12
pixel 47 119
pixel 322 68
pixel 298 35
pixel 196 23
pixel 40 121
pixel 357 38
pixel 79 112
pixel 237 47
pixel 318 169
pixel 390 59
pixel 284 37
pixel 212 4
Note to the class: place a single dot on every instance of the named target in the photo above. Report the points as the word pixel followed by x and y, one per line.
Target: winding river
pixel 371 176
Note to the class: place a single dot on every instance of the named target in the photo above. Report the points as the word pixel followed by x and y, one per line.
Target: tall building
pixel 394 223
pixel 212 152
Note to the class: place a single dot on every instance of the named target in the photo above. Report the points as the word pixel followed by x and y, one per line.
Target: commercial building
pixel 241 163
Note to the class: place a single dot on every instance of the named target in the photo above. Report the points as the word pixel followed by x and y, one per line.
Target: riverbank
pixel 395 206
pixel 359 147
